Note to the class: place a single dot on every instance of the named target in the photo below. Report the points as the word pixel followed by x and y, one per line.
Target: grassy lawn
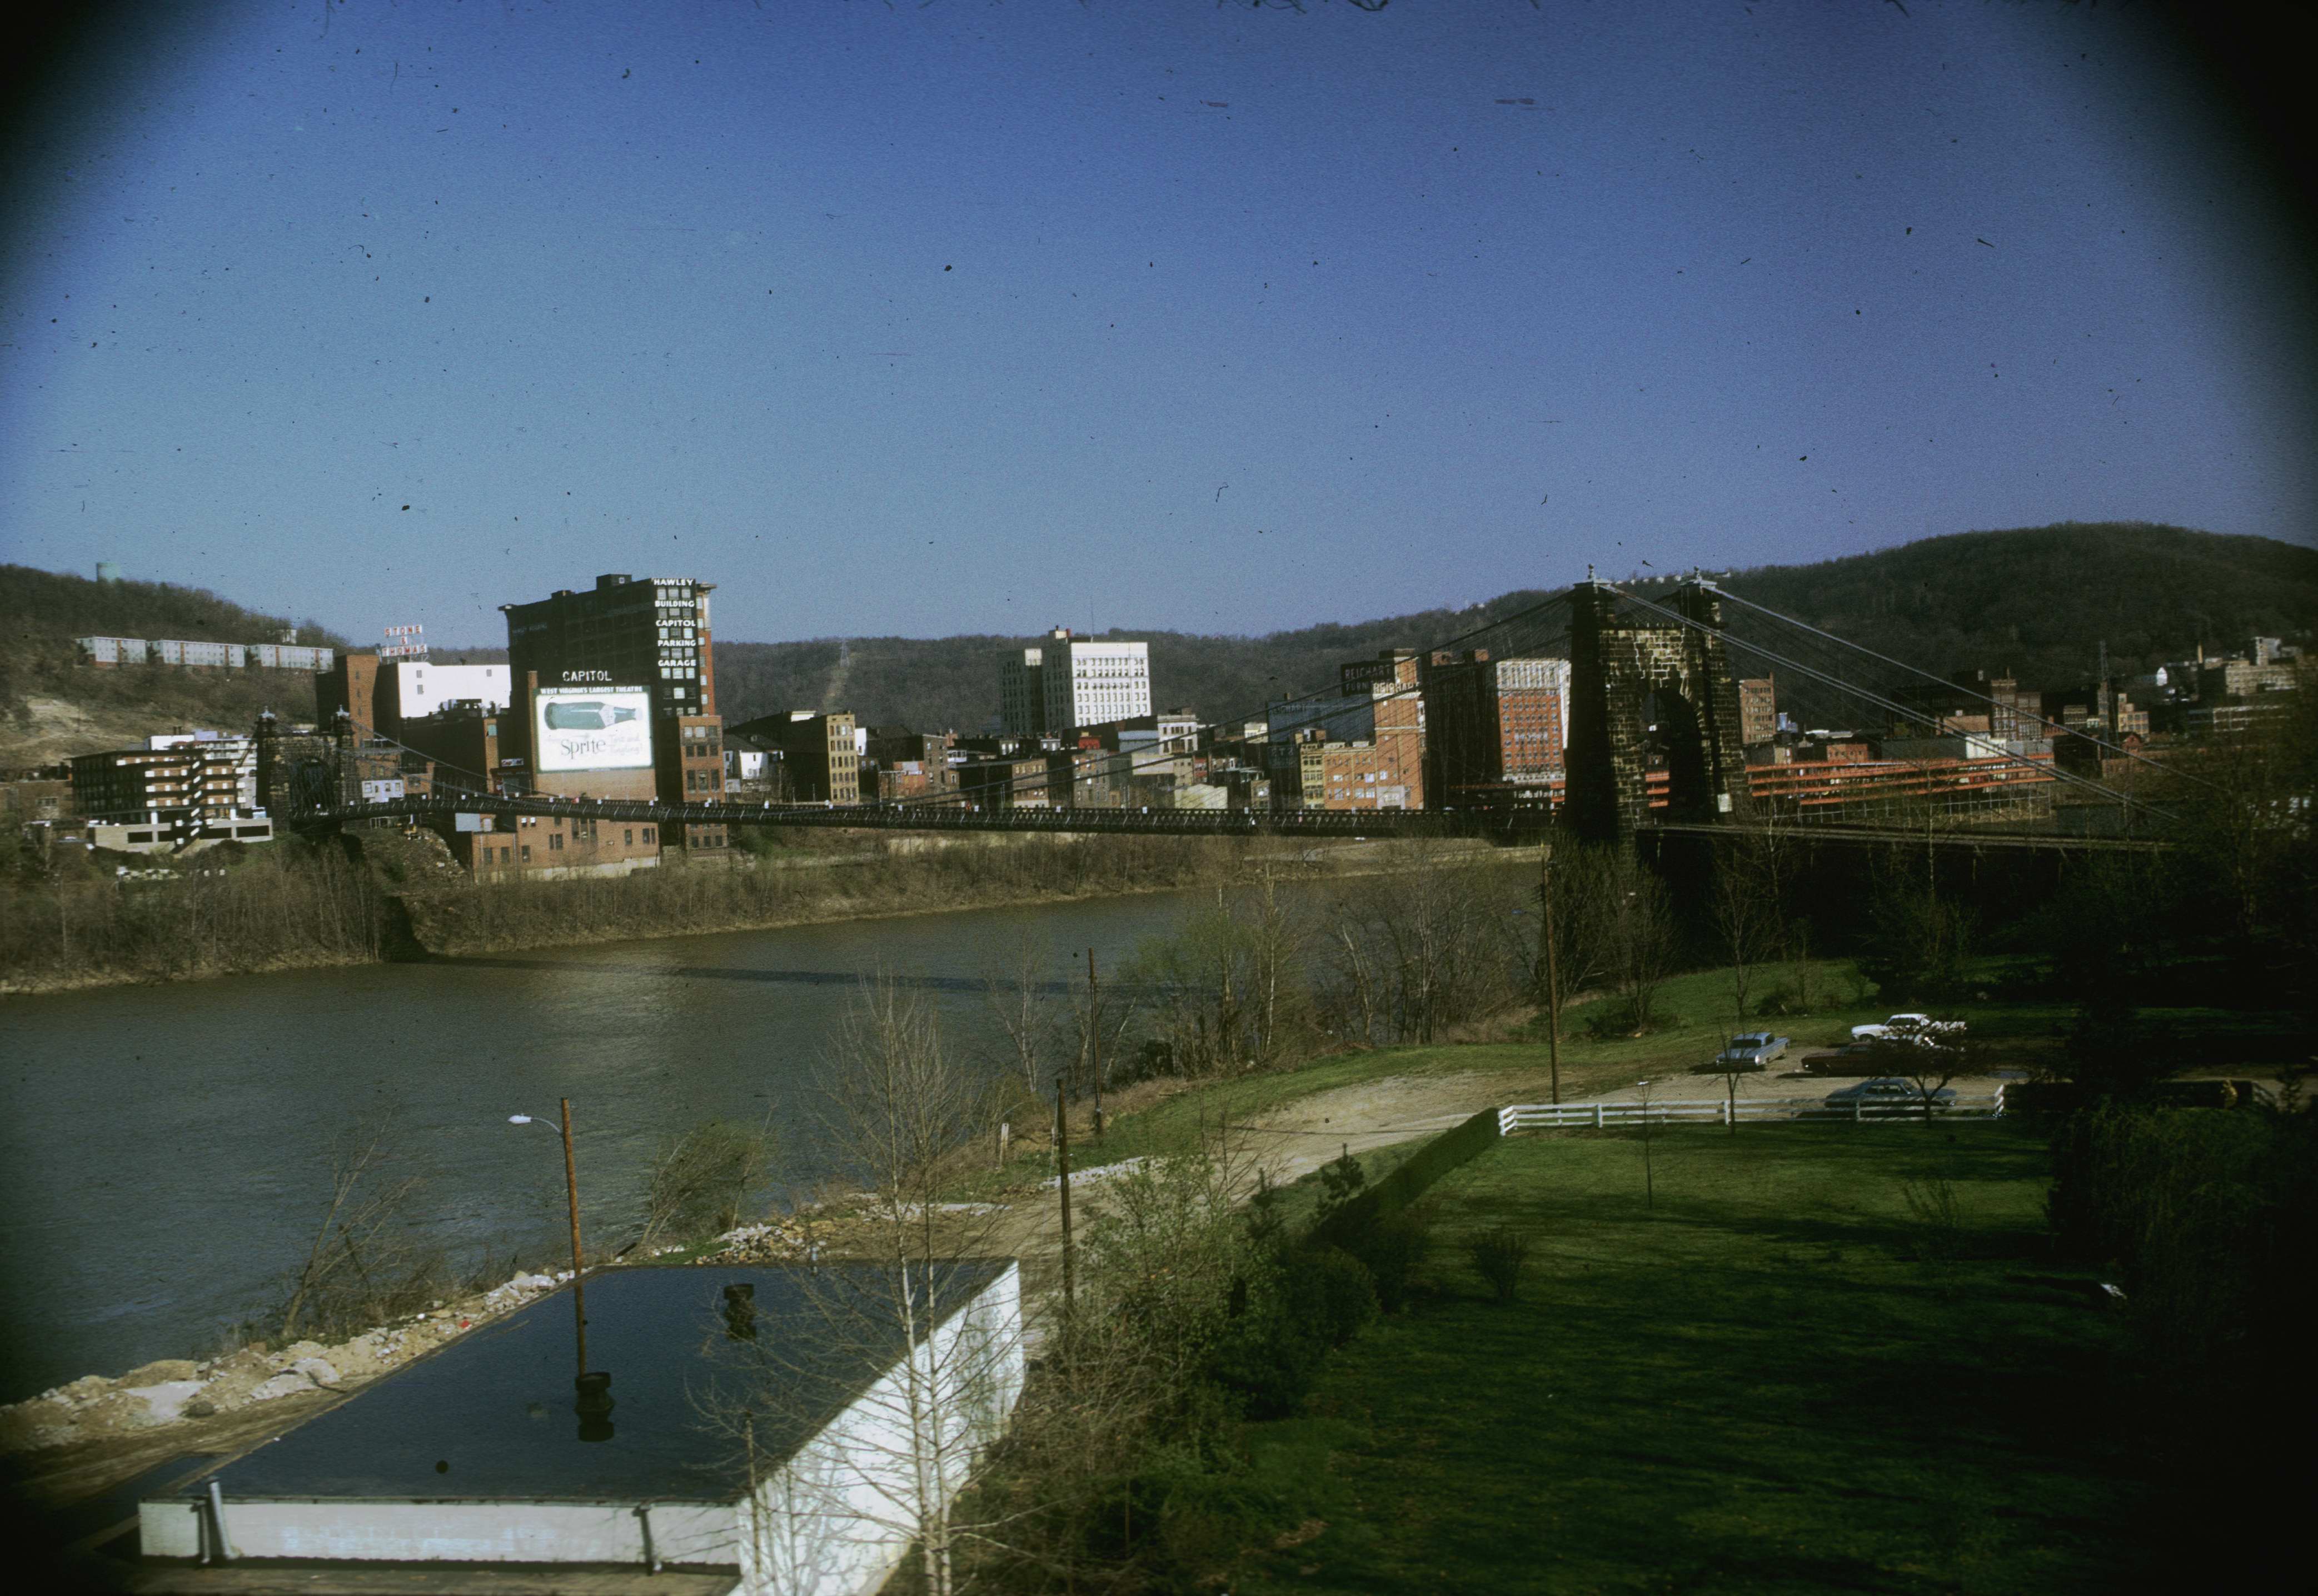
pixel 1693 1014
pixel 1759 1384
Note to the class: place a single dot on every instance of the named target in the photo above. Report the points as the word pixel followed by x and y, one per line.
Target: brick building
pixel 513 847
pixel 463 742
pixel 818 750
pixel 651 632
pixel 1976 702
pixel 351 683
pixel 1758 711
pixel 1489 723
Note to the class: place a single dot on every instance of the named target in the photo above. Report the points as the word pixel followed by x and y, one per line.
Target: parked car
pixel 1884 1089
pixel 1754 1050
pixel 1869 1056
pixel 1897 1024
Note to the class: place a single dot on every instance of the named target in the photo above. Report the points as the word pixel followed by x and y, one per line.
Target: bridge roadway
pixel 1523 824
pixel 958 816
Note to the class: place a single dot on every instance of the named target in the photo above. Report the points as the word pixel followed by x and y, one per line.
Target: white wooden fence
pixel 1546 1117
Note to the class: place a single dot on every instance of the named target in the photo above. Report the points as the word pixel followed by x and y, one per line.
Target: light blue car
pixel 1754 1050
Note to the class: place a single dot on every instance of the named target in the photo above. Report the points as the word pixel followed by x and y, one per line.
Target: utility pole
pixel 571 1186
pixel 1062 1160
pixel 1553 971
pixel 1094 1042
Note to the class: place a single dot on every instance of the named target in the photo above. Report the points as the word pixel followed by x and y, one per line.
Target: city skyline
pixel 954 322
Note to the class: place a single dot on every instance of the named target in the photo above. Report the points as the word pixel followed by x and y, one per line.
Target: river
pixel 165 1151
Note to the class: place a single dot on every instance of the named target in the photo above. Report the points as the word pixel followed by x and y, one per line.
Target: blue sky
pixel 972 317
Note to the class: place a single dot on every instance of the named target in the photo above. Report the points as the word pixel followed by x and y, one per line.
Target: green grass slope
pixel 1773 1377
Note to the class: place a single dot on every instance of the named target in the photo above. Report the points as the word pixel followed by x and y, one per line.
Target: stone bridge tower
pixel 1629 672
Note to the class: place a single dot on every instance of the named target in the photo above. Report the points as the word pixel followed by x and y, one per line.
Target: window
pixel 555 843
pixel 648 834
pixel 628 837
pixel 526 853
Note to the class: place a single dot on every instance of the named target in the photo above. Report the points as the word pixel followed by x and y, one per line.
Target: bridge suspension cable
pixel 1893 706
pixel 2050 725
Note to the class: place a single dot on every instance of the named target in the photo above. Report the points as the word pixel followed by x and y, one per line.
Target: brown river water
pixel 165 1151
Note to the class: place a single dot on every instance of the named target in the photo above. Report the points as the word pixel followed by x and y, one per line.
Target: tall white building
pixel 1066 681
pixel 1087 683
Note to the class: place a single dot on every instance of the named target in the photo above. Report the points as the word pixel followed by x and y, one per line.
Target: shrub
pixel 1614 1020
pixel 1499 1255
pixel 1939 1218
pixel 700 1182
pixel 1347 1292
pixel 1391 1249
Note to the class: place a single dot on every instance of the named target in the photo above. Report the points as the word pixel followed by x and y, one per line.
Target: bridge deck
pixel 1529 825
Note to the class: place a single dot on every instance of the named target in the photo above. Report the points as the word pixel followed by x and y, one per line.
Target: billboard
pixel 592 729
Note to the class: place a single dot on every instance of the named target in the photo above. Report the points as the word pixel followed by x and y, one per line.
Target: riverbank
pixel 382 897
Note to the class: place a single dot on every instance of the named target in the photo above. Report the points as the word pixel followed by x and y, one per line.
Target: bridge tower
pixel 301 772
pixel 1630 673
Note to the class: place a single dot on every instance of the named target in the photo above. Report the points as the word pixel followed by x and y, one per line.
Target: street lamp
pixel 595 1399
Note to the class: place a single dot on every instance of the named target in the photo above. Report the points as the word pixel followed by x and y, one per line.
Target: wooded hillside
pixel 2039 602
pixel 53 706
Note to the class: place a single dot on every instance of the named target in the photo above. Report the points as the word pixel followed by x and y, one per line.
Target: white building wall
pixel 425 687
pixel 841 1515
pixel 1092 683
pixel 447 1532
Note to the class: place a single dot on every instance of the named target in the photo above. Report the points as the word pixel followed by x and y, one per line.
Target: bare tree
pixel 1729 1068
pixel 700 1180
pixel 902 1110
pixel 1622 930
pixel 1017 997
pixel 1425 949
pixel 1647 1128
pixel 1228 988
pixel 1746 919
pixel 360 1266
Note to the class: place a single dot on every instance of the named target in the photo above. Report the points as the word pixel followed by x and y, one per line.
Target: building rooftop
pixel 492 1416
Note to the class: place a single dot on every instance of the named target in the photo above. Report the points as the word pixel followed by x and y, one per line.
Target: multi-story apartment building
pixel 241 750
pixel 651 633
pixel 1005 781
pixel 196 780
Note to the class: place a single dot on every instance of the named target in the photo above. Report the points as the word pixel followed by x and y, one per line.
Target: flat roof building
pixel 491 1452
